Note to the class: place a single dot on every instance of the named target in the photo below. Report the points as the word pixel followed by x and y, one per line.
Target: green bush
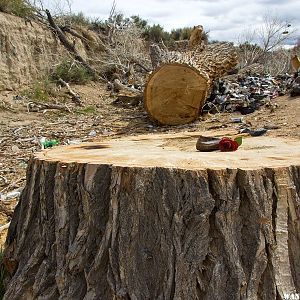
pixel 40 91
pixel 19 8
pixel 72 72
pixel 78 19
pixel 91 109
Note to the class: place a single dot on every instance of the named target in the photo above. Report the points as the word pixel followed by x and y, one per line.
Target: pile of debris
pixel 246 93
pixel 295 90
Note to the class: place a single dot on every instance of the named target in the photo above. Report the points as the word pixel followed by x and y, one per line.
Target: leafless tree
pixel 274 32
pixel 249 50
pixel 256 44
pixel 125 50
pixel 278 62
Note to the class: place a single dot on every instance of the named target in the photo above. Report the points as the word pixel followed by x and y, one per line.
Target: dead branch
pixel 121 87
pixel 155 56
pixel 129 50
pixel 75 97
pixel 128 101
pixel 13 184
pixel 34 106
pixel 74 33
pixel 71 46
pixel 4 180
pixel 3 227
pixel 142 67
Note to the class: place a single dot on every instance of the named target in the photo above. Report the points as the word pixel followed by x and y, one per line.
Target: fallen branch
pixel 34 106
pixel 71 46
pixel 3 227
pixel 75 97
pixel 74 33
pixel 117 85
pixel 142 67
pixel 4 180
pixel 12 184
pixel 128 101
pixel 155 55
pixel 83 39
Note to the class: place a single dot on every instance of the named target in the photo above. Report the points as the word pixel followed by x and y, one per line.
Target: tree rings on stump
pixel 175 93
pixel 149 217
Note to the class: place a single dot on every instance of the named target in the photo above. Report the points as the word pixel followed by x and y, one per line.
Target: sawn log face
pixel 178 87
pixel 84 231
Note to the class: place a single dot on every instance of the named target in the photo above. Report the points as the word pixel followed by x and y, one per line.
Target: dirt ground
pixel 99 119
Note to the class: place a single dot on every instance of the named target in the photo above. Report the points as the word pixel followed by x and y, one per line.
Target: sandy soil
pixel 100 120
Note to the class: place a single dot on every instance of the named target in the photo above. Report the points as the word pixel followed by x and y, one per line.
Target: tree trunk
pixel 149 217
pixel 178 88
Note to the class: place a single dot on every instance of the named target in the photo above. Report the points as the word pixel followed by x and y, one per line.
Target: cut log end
pixel 175 93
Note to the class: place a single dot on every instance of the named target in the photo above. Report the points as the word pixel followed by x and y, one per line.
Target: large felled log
pixel 178 87
pixel 152 218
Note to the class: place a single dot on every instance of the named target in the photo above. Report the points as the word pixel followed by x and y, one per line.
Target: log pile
pixel 178 87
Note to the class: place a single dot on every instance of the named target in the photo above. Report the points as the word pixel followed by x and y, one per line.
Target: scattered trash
pixel 11 195
pixel 206 144
pixel 239 140
pixel 15 149
pixel 257 132
pixel 237 120
pixel 92 133
pixel 48 143
pixel 295 90
pixel 18 98
pixel 73 142
pixel 245 110
pixel 246 93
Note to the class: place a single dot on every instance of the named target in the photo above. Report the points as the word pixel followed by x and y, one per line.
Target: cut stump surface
pixel 175 93
pixel 149 217
pixel 179 151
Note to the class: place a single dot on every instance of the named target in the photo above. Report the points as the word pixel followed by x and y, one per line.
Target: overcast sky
pixel 225 19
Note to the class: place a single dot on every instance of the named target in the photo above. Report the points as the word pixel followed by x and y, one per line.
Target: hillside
pixel 28 51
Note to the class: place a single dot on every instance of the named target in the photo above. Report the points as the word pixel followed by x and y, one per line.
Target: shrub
pixel 41 91
pixel 72 72
pixel 78 19
pixel 19 8
pixel 91 109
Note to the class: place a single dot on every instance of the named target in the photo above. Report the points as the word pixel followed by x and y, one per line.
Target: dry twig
pixel 75 97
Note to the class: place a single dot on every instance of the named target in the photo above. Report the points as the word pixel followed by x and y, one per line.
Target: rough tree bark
pixel 146 218
pixel 178 87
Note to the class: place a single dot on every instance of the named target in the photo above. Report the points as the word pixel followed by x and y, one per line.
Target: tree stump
pixel 149 217
pixel 178 87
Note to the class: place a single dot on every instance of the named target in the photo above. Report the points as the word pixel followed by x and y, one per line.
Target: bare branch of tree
pixel 70 46
pixel 257 44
